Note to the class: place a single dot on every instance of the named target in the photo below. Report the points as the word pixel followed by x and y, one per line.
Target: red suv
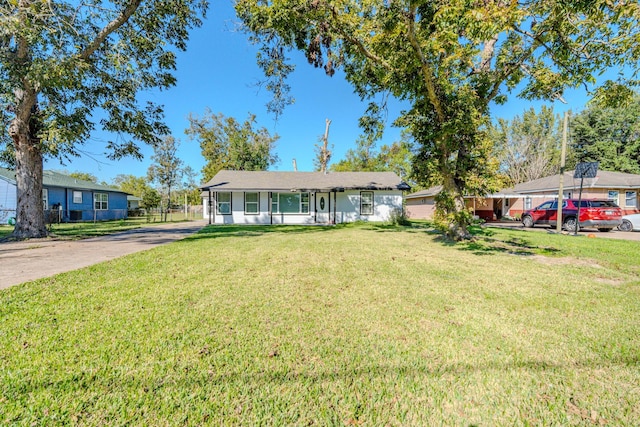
pixel 604 215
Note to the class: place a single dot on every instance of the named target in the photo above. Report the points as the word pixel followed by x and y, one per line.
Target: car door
pixel 541 213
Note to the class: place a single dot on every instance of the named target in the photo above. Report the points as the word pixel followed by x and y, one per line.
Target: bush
pixel 399 217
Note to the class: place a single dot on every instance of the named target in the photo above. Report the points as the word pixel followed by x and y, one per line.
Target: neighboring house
pixel 264 197
pixel 68 199
pixel 7 197
pixel 133 202
pixel 622 188
pixel 422 204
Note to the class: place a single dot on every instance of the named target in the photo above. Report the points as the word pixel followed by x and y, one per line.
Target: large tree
pixel 396 157
pixel 61 62
pixel 449 60
pixel 528 146
pixel 138 186
pixel 166 169
pixel 229 144
pixel 608 135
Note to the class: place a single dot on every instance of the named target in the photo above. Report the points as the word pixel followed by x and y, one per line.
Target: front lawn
pixel 349 325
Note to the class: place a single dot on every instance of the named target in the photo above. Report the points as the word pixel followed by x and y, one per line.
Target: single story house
pixel 266 197
pixel 622 188
pixel 66 198
pixel 133 202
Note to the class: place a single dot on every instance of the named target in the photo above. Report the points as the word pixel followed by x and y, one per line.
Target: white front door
pixel 322 207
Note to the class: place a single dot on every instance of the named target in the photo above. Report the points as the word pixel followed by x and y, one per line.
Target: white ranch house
pixel 265 197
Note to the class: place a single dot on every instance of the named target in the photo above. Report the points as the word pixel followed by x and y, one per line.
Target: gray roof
pixel 429 192
pixel 604 179
pixel 303 181
pixel 57 179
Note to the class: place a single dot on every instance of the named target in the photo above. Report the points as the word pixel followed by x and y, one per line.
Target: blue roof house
pixel 66 198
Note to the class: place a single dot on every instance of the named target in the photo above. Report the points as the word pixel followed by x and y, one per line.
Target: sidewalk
pixel 34 259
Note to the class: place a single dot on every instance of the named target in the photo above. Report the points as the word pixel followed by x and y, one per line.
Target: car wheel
pixel 626 225
pixel 527 221
pixel 570 224
pixel 604 230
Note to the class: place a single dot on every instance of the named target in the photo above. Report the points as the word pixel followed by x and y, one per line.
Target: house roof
pixel 604 179
pixel 57 179
pixel 226 180
pixel 429 192
pixel 8 175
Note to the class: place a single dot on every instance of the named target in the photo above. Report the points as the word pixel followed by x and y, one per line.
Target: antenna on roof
pixel 295 166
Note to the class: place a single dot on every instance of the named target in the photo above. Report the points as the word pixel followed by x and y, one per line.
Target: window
pixel 251 203
pixel 630 199
pixel 290 203
pixel 366 203
pixel 527 203
pixel 101 201
pixel 613 196
pixel 548 205
pixel 223 203
pixel 45 198
pixel 77 197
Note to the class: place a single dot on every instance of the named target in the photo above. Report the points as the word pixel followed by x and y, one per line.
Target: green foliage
pixel 450 61
pixel 151 199
pixel 608 135
pixel 84 176
pixel 166 168
pixel 396 157
pixel 66 62
pixel 399 217
pixel 228 144
pixel 135 185
pixel 528 147
pixel 75 69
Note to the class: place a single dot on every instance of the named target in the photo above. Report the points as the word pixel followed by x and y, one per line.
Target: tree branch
pixel 426 70
pixel 361 47
pixel 110 28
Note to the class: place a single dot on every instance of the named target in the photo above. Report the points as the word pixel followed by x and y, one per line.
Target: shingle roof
pixel 56 179
pixel 301 181
pixel 432 191
pixel 604 179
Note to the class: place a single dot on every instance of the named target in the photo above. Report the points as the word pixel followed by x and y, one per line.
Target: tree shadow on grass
pixel 514 246
pixel 484 242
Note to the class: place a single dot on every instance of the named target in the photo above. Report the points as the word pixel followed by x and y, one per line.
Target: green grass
pixel 356 325
pixel 84 230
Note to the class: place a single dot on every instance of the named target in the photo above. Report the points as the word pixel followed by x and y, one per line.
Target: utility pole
pixel 563 156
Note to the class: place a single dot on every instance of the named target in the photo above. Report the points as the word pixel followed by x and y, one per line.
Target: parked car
pixel 630 223
pixel 604 215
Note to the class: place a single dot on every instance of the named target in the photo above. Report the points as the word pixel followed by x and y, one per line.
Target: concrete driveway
pixel 34 259
pixel 613 234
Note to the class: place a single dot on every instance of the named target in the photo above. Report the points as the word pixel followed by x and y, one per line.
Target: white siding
pixel 345 205
pixel 8 201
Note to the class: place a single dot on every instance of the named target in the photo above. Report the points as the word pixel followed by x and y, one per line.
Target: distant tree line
pixel 528 146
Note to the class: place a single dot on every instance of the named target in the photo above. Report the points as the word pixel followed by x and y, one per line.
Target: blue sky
pixel 219 71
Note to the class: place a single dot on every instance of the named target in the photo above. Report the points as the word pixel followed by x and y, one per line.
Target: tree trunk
pixel 23 130
pixel 454 209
